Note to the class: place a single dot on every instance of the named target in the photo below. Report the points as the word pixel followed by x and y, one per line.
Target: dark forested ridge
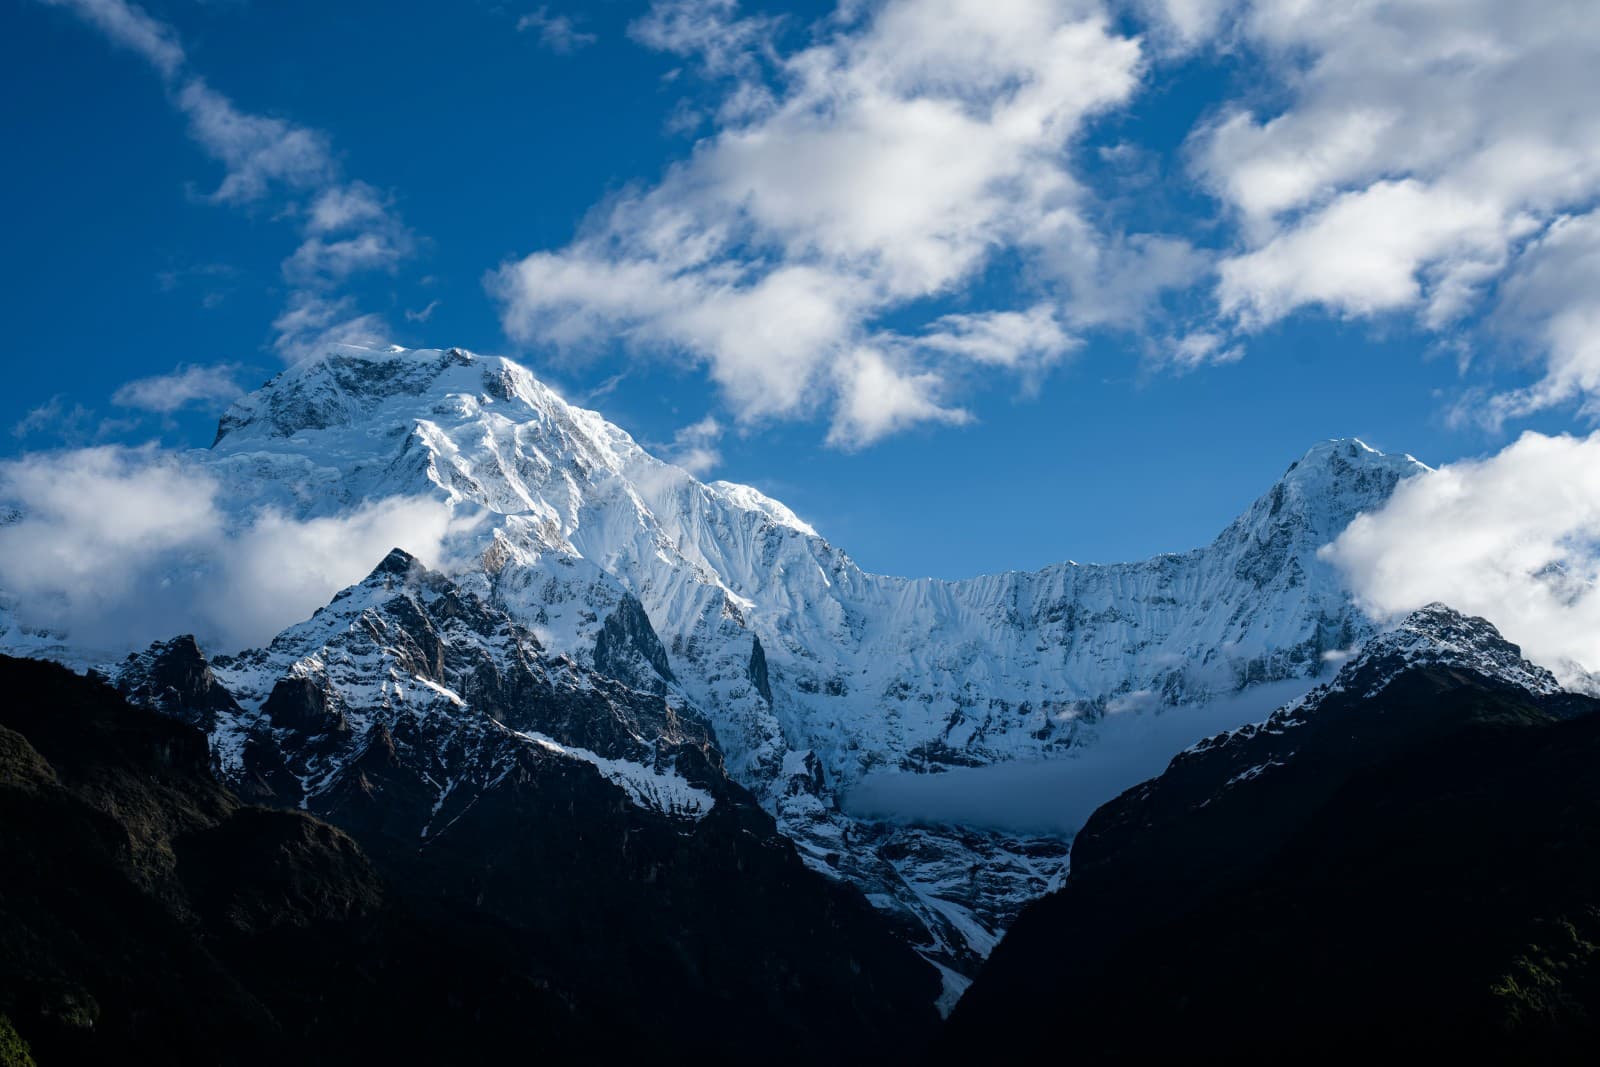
pixel 147 915
pixel 1415 871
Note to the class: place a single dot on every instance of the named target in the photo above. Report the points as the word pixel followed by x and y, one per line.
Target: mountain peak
pixel 339 387
pixel 1437 635
pixel 398 562
pixel 1341 460
pixel 1319 494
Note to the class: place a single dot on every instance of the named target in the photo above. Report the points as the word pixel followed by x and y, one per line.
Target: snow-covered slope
pixel 722 602
pixel 448 690
pixel 866 670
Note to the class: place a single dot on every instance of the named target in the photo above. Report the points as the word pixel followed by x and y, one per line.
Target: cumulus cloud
pixel 187 384
pixel 119 547
pixel 558 33
pixel 1420 153
pixel 889 162
pixel 1554 297
pixel 1514 538
pixel 878 398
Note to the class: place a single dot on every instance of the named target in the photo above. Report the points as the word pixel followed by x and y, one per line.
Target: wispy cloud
pixel 558 33
pixel 422 314
pixel 206 386
pixel 56 418
pixel 66 423
pixel 694 447
pixel 313 323
pixel 129 26
pixel 348 227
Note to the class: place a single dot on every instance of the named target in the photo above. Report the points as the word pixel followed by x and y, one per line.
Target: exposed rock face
pixel 177 681
pixel 1385 863
pixel 758 669
pixel 627 649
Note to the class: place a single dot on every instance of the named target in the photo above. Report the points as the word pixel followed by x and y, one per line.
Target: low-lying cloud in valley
pixel 1056 796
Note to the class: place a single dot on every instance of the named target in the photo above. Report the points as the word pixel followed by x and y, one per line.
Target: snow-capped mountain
pixel 776 633
pixel 726 608
pixel 406 668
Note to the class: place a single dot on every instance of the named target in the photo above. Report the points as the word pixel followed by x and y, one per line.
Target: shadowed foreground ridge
pixel 1408 860
pixel 147 915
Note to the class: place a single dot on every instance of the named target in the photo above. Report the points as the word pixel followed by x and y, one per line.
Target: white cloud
pixel 1201 347
pixel 694 447
pixel 259 151
pixel 1514 538
pixel 312 324
pixel 53 417
pixel 345 207
pixel 878 398
pixel 1554 296
pixel 889 162
pixel 277 569
pixel 187 384
pixel 424 313
pixel 1011 339
pixel 711 31
pixel 120 547
pixel 129 26
pixel 558 33
pixel 1364 252
pixel 1417 149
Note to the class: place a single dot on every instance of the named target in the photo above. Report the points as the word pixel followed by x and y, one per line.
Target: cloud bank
pixel 1058 796
pixel 1514 538
pixel 119 547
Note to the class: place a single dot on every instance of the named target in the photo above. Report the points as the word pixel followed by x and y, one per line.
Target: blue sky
pixel 1222 241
